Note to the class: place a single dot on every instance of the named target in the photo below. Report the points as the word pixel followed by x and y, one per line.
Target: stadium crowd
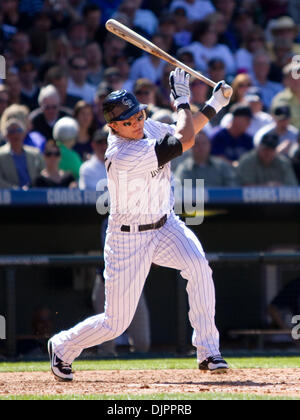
pixel 61 63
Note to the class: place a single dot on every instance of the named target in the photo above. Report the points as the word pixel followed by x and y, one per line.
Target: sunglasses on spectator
pixel 244 85
pixel 143 92
pixel 50 154
pixel 17 130
pixel 76 67
pixel 48 107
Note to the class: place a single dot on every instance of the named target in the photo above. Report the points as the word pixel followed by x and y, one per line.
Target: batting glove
pixel 218 100
pixel 180 87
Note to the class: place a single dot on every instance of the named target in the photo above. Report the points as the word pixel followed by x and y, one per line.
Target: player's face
pixel 133 128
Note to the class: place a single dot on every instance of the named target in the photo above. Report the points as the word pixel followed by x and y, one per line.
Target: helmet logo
pixel 127 102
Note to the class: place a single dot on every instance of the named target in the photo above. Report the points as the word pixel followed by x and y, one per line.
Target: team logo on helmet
pixel 127 102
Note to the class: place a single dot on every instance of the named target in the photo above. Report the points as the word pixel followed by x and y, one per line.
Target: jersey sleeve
pixel 167 149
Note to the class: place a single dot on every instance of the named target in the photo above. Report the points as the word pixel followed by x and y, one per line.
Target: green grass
pixel 148 364
pixel 154 397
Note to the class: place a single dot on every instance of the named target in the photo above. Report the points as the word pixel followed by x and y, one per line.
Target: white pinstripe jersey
pixel 140 191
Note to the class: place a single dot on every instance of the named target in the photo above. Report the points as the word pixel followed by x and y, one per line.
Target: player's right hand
pixel 218 100
pixel 180 86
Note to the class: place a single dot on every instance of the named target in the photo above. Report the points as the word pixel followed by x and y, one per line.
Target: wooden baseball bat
pixel 139 41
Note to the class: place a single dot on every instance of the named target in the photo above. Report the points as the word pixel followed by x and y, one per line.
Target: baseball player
pixel 143 228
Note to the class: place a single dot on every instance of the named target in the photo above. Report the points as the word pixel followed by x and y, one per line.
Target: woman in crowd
pixel 83 113
pixel 52 176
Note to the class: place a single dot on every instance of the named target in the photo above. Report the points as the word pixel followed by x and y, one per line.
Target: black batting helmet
pixel 120 105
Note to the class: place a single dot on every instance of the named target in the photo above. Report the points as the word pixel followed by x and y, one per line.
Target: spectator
pixel 78 36
pixel 13 84
pixel 216 69
pixel 93 55
pixel 49 111
pixel 183 33
pixel 231 142
pixel 58 51
pixel 19 164
pixel 205 47
pixel 58 77
pixel 149 66
pixel 51 176
pixel 199 91
pixel 167 28
pixel 287 133
pixel 243 23
pixel 283 54
pixel 21 113
pixel 65 133
pixel 93 170
pixel 92 18
pixel 20 46
pixel 11 15
pixel 196 10
pixel 83 114
pixel 113 78
pixel 290 96
pixel 240 84
pixel 77 83
pixel 186 57
pixel 261 69
pixel 4 98
pixel 259 119
pixel 139 18
pixel 113 46
pixel 146 93
pixel 39 31
pixel 123 65
pixel 102 92
pixel 201 165
pixel 254 41
pixel 29 88
pixel 285 28
pixel 264 167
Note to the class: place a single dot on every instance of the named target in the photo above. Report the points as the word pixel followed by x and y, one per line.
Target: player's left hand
pixel 180 87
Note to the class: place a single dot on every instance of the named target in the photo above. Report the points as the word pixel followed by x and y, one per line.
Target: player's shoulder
pixel 157 129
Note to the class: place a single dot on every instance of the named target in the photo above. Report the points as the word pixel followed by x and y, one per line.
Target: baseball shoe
pixel 214 364
pixel 61 370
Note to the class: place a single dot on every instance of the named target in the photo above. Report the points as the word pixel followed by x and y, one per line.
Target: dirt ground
pixel 277 382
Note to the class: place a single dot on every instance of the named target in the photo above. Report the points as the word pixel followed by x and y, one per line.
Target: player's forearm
pixel 185 129
pixel 199 121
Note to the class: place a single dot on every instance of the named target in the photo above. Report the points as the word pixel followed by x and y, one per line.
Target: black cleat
pixel 214 364
pixel 61 370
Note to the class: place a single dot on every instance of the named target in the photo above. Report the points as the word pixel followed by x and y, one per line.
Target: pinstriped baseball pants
pixel 128 258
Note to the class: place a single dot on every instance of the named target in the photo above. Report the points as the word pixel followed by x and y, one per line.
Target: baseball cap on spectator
pixel 111 72
pixel 284 22
pixel 253 94
pixel 103 90
pixel 27 64
pixel 270 140
pixel 282 112
pixel 143 84
pixel 100 136
pixel 240 110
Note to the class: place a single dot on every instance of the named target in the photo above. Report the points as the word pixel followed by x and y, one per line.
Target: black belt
pixel 143 228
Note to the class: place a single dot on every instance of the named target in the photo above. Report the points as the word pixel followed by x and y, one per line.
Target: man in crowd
pixel 290 96
pixel 231 142
pixel 215 171
pixel 19 165
pixel 264 167
pixel 44 117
